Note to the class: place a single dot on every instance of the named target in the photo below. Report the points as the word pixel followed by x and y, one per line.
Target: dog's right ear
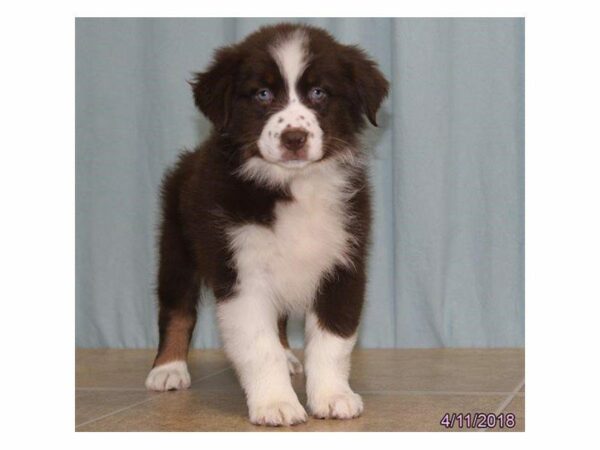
pixel 213 89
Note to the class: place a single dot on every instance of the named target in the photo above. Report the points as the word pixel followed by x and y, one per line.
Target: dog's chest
pixel 306 240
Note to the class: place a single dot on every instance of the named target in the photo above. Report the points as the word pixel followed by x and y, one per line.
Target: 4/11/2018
pixel 478 420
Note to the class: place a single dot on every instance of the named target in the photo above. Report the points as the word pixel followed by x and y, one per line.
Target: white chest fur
pixel 285 263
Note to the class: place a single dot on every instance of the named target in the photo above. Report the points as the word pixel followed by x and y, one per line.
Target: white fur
pixel 248 324
pixel 290 55
pixel 172 375
pixel 306 241
pixel 327 366
pixel 294 364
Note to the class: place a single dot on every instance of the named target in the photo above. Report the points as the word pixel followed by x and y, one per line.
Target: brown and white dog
pixel 273 213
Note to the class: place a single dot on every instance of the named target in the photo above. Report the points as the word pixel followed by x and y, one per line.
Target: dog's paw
pixel 169 376
pixel 294 364
pixel 345 405
pixel 278 413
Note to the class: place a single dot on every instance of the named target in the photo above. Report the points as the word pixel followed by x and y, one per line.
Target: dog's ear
pixel 214 89
pixel 370 84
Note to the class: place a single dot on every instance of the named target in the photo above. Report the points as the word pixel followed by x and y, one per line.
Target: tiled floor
pixel 403 390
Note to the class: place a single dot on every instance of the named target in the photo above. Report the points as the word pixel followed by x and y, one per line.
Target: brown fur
pixel 282 327
pixel 175 337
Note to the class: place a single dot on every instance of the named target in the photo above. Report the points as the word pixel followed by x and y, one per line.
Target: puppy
pixel 272 213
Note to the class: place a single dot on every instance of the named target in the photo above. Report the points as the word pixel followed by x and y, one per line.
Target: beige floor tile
pixel 118 368
pixel 440 370
pixel 444 370
pixel 91 404
pixel 227 382
pixel 404 390
pixel 211 411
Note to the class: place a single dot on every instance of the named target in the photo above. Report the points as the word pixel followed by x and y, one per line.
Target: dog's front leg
pixel 327 366
pixel 248 324
pixel 331 331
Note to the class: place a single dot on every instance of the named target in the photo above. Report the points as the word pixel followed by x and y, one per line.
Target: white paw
pixel 278 413
pixel 169 376
pixel 346 405
pixel 294 364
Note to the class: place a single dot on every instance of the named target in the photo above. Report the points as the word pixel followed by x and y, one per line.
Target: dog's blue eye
pixel 264 95
pixel 316 94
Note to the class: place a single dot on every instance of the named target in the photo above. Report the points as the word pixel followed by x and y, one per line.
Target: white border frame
pixel 562 219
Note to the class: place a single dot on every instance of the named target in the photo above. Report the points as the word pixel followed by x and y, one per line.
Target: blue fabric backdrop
pixel 447 263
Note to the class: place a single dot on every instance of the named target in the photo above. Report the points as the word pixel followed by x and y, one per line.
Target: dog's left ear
pixel 213 89
pixel 371 86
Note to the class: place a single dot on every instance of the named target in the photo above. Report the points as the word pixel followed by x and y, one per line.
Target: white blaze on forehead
pixel 290 55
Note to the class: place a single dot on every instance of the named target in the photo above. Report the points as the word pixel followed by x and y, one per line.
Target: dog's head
pixel 290 95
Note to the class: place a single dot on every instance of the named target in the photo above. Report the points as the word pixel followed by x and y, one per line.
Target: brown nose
pixel 294 138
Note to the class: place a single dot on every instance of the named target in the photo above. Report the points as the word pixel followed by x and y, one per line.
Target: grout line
pixel 210 375
pixel 154 397
pixel 124 389
pixel 507 400
pixel 116 411
pixel 110 389
pixel 511 396
pixel 465 393
pixel 366 392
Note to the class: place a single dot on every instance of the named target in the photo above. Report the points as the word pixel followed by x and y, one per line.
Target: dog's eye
pixel 316 94
pixel 264 96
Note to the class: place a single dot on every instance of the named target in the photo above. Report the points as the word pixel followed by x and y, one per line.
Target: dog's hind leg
pixel 178 290
pixel 294 363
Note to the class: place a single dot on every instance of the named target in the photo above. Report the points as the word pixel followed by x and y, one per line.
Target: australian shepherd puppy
pixel 272 213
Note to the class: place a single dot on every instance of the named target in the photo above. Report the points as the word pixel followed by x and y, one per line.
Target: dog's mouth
pixel 288 159
pixel 294 163
pixel 297 155
pixel 294 159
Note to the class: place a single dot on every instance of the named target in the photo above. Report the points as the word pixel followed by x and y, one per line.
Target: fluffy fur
pixel 273 213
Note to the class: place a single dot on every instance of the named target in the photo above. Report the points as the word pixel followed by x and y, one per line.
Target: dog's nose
pixel 294 138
